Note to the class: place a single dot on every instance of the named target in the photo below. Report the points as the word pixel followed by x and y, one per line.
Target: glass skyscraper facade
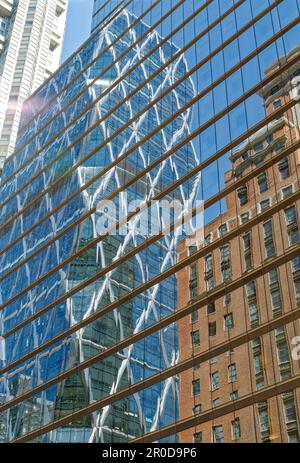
pixel 62 170
pixel 137 336
pixel 31 39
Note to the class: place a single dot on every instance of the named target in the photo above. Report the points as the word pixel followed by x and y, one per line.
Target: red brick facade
pixel 267 360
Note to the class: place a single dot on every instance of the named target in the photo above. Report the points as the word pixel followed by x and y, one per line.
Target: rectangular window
pixel 208 239
pixel 276 300
pixel 193 281
pixel 247 250
pixel 209 274
pixel 292 225
pixel 218 434
pixel 264 421
pixel 196 387
pixel 192 250
pixel 216 402
pixel 273 277
pixel 290 215
pixel 277 104
pixel 244 217
pixel 223 229
pixel 289 407
pixel 253 313
pixel 193 272
pixel 198 437
pixel 225 263
pixel 296 277
pixel 262 181
pixel 296 264
pixel 284 168
pixel 279 146
pixel 195 338
pixel 228 322
pixel 283 353
pixel 269 239
pixel 215 380
pixel 275 292
pixel 197 409
pixel 287 191
pixel 297 290
pixel 252 302
pixel 258 363
pixel 234 395
pixel 232 373
pixel 236 429
pixel 265 204
pixel 242 195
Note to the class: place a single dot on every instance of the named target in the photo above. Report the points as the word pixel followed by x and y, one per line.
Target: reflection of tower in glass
pixel 158 405
pixel 230 376
pixel 31 39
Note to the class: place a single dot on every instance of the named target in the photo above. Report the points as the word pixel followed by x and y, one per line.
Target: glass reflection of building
pixel 31 40
pixel 55 179
pixel 217 103
pixel 268 357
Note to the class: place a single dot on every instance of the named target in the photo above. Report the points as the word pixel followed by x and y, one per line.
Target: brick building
pixel 256 185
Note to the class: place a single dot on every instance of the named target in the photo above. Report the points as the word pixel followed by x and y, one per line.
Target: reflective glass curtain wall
pixel 143 337
pixel 60 264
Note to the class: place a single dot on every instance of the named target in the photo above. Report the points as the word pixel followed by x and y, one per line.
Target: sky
pixel 78 25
